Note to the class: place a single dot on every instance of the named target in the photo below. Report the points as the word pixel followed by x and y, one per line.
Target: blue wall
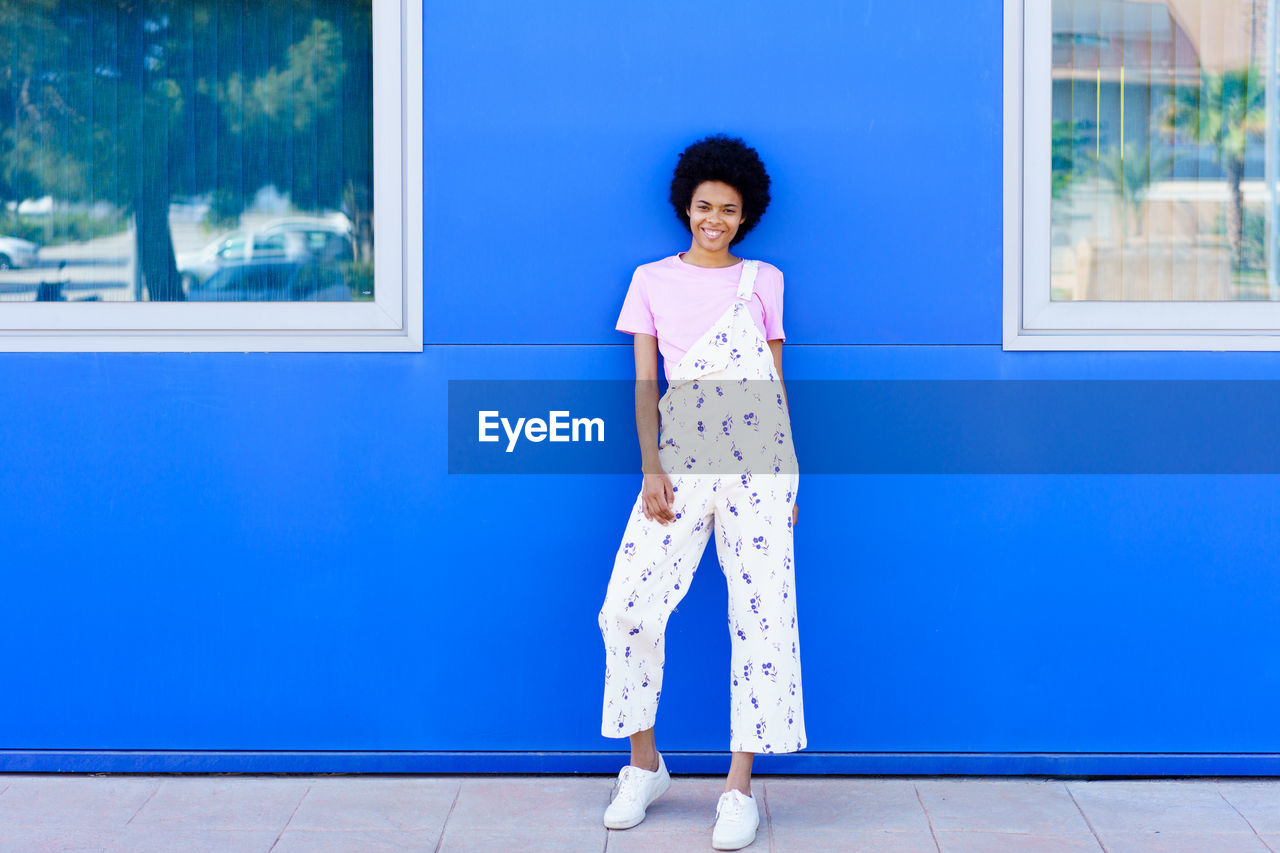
pixel 260 562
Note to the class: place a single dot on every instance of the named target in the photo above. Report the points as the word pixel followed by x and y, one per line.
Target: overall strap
pixel 747 283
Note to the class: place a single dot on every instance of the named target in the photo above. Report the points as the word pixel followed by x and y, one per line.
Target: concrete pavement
pixel 476 814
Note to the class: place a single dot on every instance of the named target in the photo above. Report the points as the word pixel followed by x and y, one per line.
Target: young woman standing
pixel 717 457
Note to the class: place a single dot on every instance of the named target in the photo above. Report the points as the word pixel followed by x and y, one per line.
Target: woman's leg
pixel 644 751
pixel 739 777
pixel 651 574
pixel 755 547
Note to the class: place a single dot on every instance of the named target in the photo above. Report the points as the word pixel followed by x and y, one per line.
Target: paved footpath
pixel 515 814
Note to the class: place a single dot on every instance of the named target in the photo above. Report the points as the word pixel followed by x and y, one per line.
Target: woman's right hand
pixel 657 498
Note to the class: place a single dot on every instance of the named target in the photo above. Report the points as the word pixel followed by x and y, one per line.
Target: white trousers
pixel 751 515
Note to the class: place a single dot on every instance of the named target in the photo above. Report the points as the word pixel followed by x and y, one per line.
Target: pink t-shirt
pixel 678 302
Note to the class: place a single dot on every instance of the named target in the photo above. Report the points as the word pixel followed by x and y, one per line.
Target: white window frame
pixel 1031 320
pixel 392 322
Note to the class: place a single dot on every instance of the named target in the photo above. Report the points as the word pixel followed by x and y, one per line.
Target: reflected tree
pixel 301 120
pixel 36 121
pixel 1225 111
pixel 151 104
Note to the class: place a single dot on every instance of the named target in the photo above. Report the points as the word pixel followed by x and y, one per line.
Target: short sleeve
pixel 636 317
pixel 771 299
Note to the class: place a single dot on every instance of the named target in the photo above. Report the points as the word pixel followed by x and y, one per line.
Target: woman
pixel 716 455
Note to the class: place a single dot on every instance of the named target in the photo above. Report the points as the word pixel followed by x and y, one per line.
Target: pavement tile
pixel 145 839
pixel 378 803
pixel 101 802
pixel 1012 842
pixel 33 839
pixel 223 802
pixel 518 802
pixel 1169 806
pixel 1258 801
pixel 136 840
pixel 527 839
pixel 1041 807
pixel 846 804
pixel 67 813
pixel 355 841
pixel 849 841
pixel 1183 842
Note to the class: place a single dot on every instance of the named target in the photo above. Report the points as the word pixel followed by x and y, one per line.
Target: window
pixel 1140 175
pixel 207 175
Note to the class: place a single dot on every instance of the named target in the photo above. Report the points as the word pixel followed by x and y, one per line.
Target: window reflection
pixel 1160 184
pixel 168 150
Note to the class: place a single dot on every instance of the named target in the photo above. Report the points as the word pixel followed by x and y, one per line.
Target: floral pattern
pixel 750 513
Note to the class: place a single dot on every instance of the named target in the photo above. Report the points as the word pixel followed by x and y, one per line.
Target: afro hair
pixel 728 160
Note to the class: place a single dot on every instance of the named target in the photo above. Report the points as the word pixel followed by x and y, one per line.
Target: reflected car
pixel 286 240
pixel 236 247
pixel 323 238
pixel 17 254
pixel 273 281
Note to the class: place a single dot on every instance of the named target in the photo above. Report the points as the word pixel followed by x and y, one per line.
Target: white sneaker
pixel 637 788
pixel 737 818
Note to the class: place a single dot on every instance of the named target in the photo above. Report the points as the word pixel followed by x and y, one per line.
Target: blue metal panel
pixel 196 566
pixel 550 140
pixel 249 562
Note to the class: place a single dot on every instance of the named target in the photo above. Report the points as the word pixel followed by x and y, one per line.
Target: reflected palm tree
pixel 1225 111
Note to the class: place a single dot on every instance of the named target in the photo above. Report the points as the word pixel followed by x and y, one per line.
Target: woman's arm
pixel 646 352
pixel 775 347
pixel 657 491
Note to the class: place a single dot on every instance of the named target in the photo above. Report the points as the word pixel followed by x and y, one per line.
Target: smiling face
pixel 715 214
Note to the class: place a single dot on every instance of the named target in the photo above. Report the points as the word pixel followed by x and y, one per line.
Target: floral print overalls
pixel 725 442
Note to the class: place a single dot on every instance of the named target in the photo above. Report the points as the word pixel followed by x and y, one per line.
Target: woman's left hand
pixel 795 514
